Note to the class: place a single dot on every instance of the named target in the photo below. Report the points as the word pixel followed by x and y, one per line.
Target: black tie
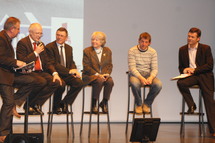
pixel 61 56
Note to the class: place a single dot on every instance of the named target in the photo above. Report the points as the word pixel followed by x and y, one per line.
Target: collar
pixel 32 41
pixel 196 46
pixel 141 49
pixel 58 45
pixel 7 36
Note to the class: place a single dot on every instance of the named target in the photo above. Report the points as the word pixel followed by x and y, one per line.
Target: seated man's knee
pixel 135 82
pixel 110 82
pixel 40 81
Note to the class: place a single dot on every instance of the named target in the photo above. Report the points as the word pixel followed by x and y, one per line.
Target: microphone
pixel 39 43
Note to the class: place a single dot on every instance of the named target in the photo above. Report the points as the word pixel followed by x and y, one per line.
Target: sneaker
pixel 146 109
pixel 138 110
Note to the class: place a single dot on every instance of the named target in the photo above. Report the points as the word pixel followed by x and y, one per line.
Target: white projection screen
pixel 168 22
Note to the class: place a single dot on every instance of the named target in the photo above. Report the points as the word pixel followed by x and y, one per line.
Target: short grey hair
pixel 101 36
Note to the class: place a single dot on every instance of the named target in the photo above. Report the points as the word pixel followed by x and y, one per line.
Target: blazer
pixel 91 64
pixel 7 59
pixel 25 52
pixel 204 63
pixel 54 56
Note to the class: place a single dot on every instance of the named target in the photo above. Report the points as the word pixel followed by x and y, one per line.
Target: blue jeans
pixel 136 85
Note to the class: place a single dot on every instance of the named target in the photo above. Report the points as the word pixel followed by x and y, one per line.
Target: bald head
pixel 35 31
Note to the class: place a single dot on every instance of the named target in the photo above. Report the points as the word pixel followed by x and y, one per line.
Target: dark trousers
pixel 75 85
pixel 208 96
pixel 41 93
pixel 97 85
pixel 25 84
pixel 6 116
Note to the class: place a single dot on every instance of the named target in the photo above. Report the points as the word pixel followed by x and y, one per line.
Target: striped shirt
pixel 142 62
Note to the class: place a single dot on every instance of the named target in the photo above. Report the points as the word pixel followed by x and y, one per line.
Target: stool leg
pixel 67 121
pixel 182 118
pixel 201 115
pixel 49 118
pixel 26 116
pixel 51 123
pixel 41 121
pixel 98 119
pixel 72 123
pixel 128 108
pixel 90 118
pixel 82 114
pixel 108 119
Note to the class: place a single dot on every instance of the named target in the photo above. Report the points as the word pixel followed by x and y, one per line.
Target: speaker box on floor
pixel 24 138
pixel 145 129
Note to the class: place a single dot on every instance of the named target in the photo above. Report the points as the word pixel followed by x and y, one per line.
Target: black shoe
pixel 64 108
pixel 191 109
pixel 94 110
pixel 104 107
pixel 31 111
pixel 57 110
pixel 37 109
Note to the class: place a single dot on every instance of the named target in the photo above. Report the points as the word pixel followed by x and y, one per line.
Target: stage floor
pixel 168 133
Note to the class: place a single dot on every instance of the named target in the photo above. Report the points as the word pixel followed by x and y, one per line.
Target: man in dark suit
pixel 8 78
pixel 61 56
pixel 31 49
pixel 97 63
pixel 196 60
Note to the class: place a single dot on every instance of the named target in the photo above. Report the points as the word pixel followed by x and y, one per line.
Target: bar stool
pixel 90 113
pixel 199 113
pixel 26 114
pixel 129 111
pixel 50 117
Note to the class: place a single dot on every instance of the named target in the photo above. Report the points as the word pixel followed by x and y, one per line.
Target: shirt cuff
pixel 54 73
pixel 36 54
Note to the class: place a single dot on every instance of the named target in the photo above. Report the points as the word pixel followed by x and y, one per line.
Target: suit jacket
pixel 204 63
pixel 91 64
pixel 54 56
pixel 25 52
pixel 7 60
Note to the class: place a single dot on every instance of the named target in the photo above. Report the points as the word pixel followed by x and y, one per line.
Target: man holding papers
pixel 196 60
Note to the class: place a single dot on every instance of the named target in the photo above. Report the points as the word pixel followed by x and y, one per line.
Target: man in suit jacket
pixel 61 56
pixel 31 49
pixel 8 77
pixel 196 60
pixel 97 63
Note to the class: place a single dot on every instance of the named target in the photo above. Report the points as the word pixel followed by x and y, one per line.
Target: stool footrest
pixel 60 113
pixel 195 113
pixel 29 114
pixel 133 112
pixel 88 112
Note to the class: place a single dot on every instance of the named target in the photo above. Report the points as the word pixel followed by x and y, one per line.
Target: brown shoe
pixel 15 113
pixel 2 138
pixel 146 108
pixel 213 135
pixel 138 110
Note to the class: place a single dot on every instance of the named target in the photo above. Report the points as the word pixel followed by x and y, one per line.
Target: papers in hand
pixel 180 76
pixel 25 69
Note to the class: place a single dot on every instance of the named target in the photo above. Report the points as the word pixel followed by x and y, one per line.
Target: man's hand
pixel 39 48
pixel 149 80
pixel 20 63
pixel 143 81
pixel 189 71
pixel 56 77
pixel 75 73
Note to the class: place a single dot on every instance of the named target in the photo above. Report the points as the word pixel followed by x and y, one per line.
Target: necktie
pixel 61 56
pixel 37 66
